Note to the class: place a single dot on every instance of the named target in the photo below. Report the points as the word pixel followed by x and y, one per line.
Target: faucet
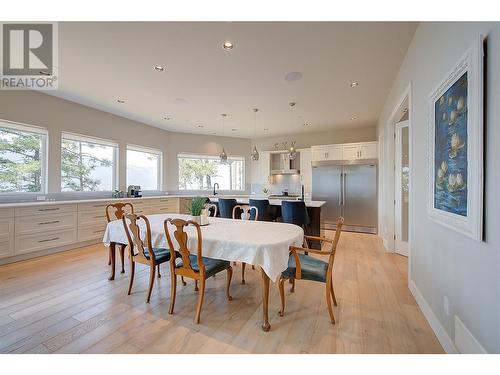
pixel 215 193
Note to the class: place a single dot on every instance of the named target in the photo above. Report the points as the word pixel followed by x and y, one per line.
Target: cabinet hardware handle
pixel 49 222
pixel 49 239
pixel 48 209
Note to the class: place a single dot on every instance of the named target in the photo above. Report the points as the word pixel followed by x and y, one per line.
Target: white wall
pixel 59 115
pixel 443 262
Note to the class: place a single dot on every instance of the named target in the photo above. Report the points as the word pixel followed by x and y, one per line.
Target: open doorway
pixel 401 184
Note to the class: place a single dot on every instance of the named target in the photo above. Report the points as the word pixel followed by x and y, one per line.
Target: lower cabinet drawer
pixel 44 223
pixel 171 209
pixel 91 233
pixel 6 237
pixel 40 241
pixel 93 218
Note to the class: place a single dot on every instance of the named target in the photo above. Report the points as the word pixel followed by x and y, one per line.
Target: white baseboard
pixel 465 341
pixel 445 340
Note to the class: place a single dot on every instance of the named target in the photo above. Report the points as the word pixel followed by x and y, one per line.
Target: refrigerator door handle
pixel 344 189
pixel 340 191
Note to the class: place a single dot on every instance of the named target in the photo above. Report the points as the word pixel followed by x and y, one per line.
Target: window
pixel 201 172
pixel 144 167
pixel 23 151
pixel 87 164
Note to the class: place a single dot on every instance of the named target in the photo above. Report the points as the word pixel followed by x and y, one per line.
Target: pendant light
pixel 292 152
pixel 223 155
pixel 255 153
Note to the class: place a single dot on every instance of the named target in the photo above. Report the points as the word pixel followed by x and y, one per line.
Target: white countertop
pixel 240 198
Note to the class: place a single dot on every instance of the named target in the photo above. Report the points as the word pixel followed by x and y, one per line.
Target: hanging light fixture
pixel 292 152
pixel 255 153
pixel 223 155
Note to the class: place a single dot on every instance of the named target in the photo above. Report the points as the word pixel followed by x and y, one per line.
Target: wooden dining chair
pixel 196 267
pixel 211 209
pixel 245 214
pixel 305 267
pixel 120 209
pixel 140 253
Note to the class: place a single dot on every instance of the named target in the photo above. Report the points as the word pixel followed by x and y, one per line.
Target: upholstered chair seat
pixel 313 269
pixel 212 266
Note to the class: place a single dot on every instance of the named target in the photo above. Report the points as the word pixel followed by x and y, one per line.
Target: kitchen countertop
pixel 240 198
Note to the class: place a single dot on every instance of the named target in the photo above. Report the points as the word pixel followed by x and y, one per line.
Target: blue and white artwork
pixel 450 149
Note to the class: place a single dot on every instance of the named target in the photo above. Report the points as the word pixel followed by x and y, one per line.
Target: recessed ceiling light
pixel 228 45
pixel 181 101
pixel 121 101
pixel 353 118
pixel 293 76
pixel 354 84
pixel 159 68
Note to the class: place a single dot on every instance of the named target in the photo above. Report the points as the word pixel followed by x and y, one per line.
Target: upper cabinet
pixel 261 169
pixel 347 151
pixel 323 153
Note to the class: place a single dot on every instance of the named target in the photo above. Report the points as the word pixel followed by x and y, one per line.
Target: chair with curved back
pixel 146 254
pixel 247 212
pixel 295 212
pixel 304 267
pixel 196 267
pixel 211 209
pixel 119 211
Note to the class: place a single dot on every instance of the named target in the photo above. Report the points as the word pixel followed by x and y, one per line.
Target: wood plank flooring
pixel 63 303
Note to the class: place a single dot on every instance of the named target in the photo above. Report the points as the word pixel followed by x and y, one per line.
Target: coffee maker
pixel 134 191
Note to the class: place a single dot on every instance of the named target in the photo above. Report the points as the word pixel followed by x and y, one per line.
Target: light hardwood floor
pixel 63 303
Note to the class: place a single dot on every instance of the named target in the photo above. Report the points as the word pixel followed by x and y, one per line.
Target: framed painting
pixel 456 146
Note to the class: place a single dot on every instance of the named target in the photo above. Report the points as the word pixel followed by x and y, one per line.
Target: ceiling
pixel 101 62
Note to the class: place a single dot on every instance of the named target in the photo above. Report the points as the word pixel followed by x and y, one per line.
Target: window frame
pixel 90 139
pixel 44 155
pixel 149 150
pixel 215 157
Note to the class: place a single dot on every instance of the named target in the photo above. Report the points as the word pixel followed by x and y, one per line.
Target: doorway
pixel 401 185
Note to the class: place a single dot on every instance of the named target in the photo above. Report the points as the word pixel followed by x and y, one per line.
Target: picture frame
pixel 455 146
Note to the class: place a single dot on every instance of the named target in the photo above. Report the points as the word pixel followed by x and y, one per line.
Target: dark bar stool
pixel 263 207
pixel 226 206
pixel 295 212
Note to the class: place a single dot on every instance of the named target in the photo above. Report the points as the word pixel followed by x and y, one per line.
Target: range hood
pixel 281 164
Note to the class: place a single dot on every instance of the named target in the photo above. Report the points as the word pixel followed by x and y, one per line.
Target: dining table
pixel 259 243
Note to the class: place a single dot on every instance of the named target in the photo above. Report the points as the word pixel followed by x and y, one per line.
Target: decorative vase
pixel 196 219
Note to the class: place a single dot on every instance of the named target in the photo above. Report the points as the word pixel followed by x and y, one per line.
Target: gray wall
pixel 344 135
pixel 443 262
pixel 59 115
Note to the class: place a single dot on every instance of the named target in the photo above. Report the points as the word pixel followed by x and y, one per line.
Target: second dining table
pixel 259 243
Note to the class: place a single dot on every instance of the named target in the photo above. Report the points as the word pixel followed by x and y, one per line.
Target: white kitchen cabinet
pixel 261 169
pixel 368 150
pixel 306 169
pixel 324 153
pixel 6 235
pixel 347 151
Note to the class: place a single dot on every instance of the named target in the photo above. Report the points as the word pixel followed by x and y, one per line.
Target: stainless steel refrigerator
pixel 349 191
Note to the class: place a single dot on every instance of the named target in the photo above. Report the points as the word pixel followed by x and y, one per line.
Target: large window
pixel 201 172
pixel 144 167
pixel 87 164
pixel 22 158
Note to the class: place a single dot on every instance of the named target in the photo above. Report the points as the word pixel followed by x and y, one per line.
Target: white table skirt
pixel 263 244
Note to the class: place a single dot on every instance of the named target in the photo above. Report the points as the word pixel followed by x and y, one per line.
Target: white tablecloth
pixel 263 244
